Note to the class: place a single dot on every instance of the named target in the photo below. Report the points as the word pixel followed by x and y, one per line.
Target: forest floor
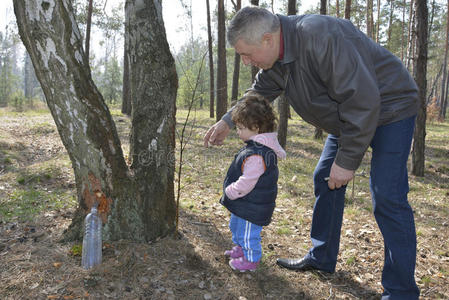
pixel 38 198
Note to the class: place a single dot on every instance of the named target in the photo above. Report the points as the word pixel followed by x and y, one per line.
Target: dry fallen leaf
pixel 57 265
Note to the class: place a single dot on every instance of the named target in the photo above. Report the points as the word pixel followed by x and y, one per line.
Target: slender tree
pixel 283 104
pixel 337 7
pixel 323 7
pixel 445 96
pixel 378 21
pixel 211 63
pixel 444 81
pixel 135 202
pixel 318 133
pixel 419 137
pixel 390 22
pixel 88 26
pixel 126 90
pixel 404 8
pixel 254 69
pixel 222 84
pixel 348 10
pixel 411 35
pixel 236 74
pixel 28 85
pixel 369 19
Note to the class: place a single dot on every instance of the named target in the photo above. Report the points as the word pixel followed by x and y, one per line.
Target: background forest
pixel 390 23
pixel 44 163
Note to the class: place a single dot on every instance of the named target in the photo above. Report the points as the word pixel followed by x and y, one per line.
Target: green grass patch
pixel 350 260
pixel 43 128
pixel 24 204
pixel 426 280
pixel 42 174
pixel 284 231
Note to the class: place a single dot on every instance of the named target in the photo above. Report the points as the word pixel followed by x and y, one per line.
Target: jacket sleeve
pixel 345 67
pixel 253 168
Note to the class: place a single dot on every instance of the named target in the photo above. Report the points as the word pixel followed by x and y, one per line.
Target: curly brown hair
pixel 253 111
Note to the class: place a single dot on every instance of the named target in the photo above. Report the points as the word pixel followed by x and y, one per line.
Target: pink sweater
pixel 254 166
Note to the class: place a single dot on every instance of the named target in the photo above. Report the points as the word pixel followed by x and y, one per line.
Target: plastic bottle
pixel 92 244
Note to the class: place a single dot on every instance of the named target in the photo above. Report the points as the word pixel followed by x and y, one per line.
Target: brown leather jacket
pixel 338 79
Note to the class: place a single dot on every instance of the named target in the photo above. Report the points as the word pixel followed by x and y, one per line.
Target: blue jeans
pixel 394 216
pixel 246 235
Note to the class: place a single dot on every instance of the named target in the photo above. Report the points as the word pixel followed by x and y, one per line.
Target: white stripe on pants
pixel 246 235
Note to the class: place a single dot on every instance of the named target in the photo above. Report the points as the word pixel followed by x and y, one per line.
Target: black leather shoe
pixel 298 264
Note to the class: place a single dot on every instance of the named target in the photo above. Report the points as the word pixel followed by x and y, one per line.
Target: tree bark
pixel 28 69
pixel 126 91
pixel 318 133
pixel 432 15
pixel 88 26
pixel 348 10
pixel 443 100
pixel 323 8
pixel 236 74
pixel 291 9
pixel 390 22
pixel 403 31
pixel 222 84
pixel 433 88
pixel 419 137
pixel 283 104
pixel 136 203
pixel 254 69
pixel 211 64
pixel 411 33
pixel 154 85
pixel 369 18
pixel 337 7
pixel 444 109
pixel 378 21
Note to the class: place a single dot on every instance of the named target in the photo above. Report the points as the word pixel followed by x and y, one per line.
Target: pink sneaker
pixel 236 252
pixel 242 264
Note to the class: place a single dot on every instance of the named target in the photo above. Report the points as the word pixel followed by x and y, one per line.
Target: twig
pixel 330 293
pixel 429 291
pixel 202 224
pixel 182 135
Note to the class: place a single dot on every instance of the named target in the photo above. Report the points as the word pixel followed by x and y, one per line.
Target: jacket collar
pixel 291 42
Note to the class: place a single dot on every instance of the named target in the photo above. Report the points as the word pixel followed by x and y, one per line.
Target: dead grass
pixel 34 265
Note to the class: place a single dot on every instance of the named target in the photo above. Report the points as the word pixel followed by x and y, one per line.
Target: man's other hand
pixel 339 177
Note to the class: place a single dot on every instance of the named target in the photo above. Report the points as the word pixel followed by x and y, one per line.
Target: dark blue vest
pixel 257 206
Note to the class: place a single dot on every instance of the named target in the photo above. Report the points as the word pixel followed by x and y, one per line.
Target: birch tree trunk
pixel 88 26
pixel 411 33
pixel 135 203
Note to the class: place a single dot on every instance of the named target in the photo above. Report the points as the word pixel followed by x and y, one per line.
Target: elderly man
pixel 338 79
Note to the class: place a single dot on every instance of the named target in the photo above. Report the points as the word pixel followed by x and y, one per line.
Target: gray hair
pixel 250 24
